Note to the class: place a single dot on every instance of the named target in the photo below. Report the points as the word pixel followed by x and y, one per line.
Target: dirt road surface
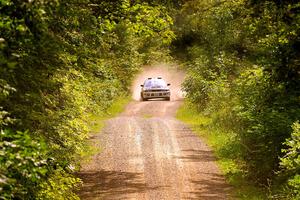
pixel 148 154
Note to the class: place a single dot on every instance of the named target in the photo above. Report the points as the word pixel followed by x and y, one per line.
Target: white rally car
pixel 155 88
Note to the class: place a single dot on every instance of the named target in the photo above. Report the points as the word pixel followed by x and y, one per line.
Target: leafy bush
pixel 290 162
pixel 23 164
pixel 265 124
pixel 243 72
pixel 61 185
pixel 62 61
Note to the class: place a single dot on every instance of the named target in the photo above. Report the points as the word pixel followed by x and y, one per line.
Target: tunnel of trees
pixel 62 60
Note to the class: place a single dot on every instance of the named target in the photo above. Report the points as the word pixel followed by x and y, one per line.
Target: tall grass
pixel 96 121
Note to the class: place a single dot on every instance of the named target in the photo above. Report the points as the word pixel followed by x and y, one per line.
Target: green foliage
pixel 59 185
pixel 62 61
pixel 291 160
pixel 290 163
pixel 23 164
pixel 243 63
pixel 227 149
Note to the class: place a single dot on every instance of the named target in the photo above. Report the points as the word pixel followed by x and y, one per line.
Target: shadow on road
pixel 192 155
pixel 111 184
pixel 214 187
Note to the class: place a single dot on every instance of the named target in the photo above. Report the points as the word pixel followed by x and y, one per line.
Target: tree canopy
pixel 60 61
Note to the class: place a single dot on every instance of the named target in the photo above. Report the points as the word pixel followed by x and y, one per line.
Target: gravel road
pixel 148 154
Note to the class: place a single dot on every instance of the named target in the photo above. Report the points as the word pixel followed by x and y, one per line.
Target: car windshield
pixel 155 83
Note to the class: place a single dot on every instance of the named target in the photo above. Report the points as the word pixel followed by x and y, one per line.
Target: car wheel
pixel 143 99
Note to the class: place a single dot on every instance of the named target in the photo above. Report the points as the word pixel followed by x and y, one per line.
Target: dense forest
pixel 63 60
pixel 244 73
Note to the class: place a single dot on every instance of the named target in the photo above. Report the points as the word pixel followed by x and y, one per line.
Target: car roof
pixel 155 81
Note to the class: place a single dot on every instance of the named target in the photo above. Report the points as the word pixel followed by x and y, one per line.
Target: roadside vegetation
pixel 242 59
pixel 63 64
pixel 118 106
pixel 226 149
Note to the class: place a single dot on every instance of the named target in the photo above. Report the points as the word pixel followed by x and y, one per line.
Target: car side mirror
pixel 142 85
pixel 168 84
